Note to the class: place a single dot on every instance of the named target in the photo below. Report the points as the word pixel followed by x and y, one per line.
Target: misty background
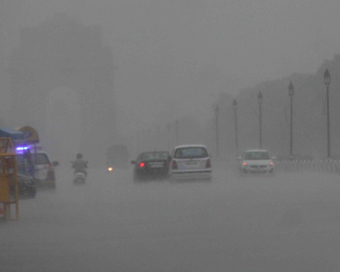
pixel 89 74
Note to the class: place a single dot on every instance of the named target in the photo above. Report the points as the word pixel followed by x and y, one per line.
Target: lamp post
pixel 168 135
pixel 260 101
pixel 177 132
pixel 217 111
pixel 236 136
pixel 291 94
pixel 327 81
pixel 158 137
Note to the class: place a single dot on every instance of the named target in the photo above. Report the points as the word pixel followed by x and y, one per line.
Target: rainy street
pixel 124 90
pixel 289 222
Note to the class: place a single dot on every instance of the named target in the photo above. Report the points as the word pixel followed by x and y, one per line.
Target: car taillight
pixel 208 164
pixel 244 163
pixel 142 164
pixel 174 165
pixel 271 163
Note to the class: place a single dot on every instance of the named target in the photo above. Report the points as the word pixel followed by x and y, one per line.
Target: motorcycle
pixel 79 178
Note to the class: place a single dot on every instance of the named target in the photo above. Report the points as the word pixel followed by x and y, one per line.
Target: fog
pixel 150 75
pixel 163 61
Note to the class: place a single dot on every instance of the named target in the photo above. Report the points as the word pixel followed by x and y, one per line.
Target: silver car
pixel 256 161
pixel 190 162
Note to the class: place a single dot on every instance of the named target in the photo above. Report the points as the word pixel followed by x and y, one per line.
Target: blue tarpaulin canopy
pixel 15 135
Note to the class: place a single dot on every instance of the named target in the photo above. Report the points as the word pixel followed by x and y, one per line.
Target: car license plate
pixel 156 165
pixel 191 163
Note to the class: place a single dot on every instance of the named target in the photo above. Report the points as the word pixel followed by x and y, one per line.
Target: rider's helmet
pixel 79 156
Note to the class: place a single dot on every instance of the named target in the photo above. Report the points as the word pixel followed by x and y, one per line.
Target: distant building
pixel 9 33
pixel 62 55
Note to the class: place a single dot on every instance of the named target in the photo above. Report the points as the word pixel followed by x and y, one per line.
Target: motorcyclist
pixel 79 165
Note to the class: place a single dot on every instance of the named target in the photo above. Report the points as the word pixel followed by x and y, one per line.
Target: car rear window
pixel 155 156
pixel 191 152
pixel 40 158
pixel 257 155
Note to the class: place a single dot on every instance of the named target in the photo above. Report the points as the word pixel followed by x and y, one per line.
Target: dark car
pixel 151 165
pixel 26 187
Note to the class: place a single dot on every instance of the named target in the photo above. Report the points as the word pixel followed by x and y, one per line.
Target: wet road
pixel 290 222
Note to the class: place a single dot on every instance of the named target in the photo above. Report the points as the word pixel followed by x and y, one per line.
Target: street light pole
pixel 327 81
pixel 177 132
pixel 291 94
pixel 168 135
pixel 260 101
pixel 158 138
pixel 217 111
pixel 236 136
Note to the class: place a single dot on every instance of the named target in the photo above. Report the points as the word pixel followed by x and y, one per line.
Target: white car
pixel 190 162
pixel 44 172
pixel 256 161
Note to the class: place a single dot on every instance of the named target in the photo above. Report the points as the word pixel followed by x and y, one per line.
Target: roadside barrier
pixel 327 165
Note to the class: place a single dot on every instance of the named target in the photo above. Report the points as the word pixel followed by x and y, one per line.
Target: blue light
pixel 21 148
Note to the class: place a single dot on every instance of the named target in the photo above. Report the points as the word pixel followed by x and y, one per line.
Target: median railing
pixel 327 165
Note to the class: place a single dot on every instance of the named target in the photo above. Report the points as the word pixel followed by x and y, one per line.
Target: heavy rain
pixel 147 135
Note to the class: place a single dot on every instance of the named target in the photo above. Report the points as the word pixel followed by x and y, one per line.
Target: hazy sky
pixel 246 41
pixel 249 40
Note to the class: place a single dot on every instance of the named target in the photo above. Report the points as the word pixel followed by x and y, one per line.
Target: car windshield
pixel 257 155
pixel 191 152
pixel 37 159
pixel 155 156
pixel 40 158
